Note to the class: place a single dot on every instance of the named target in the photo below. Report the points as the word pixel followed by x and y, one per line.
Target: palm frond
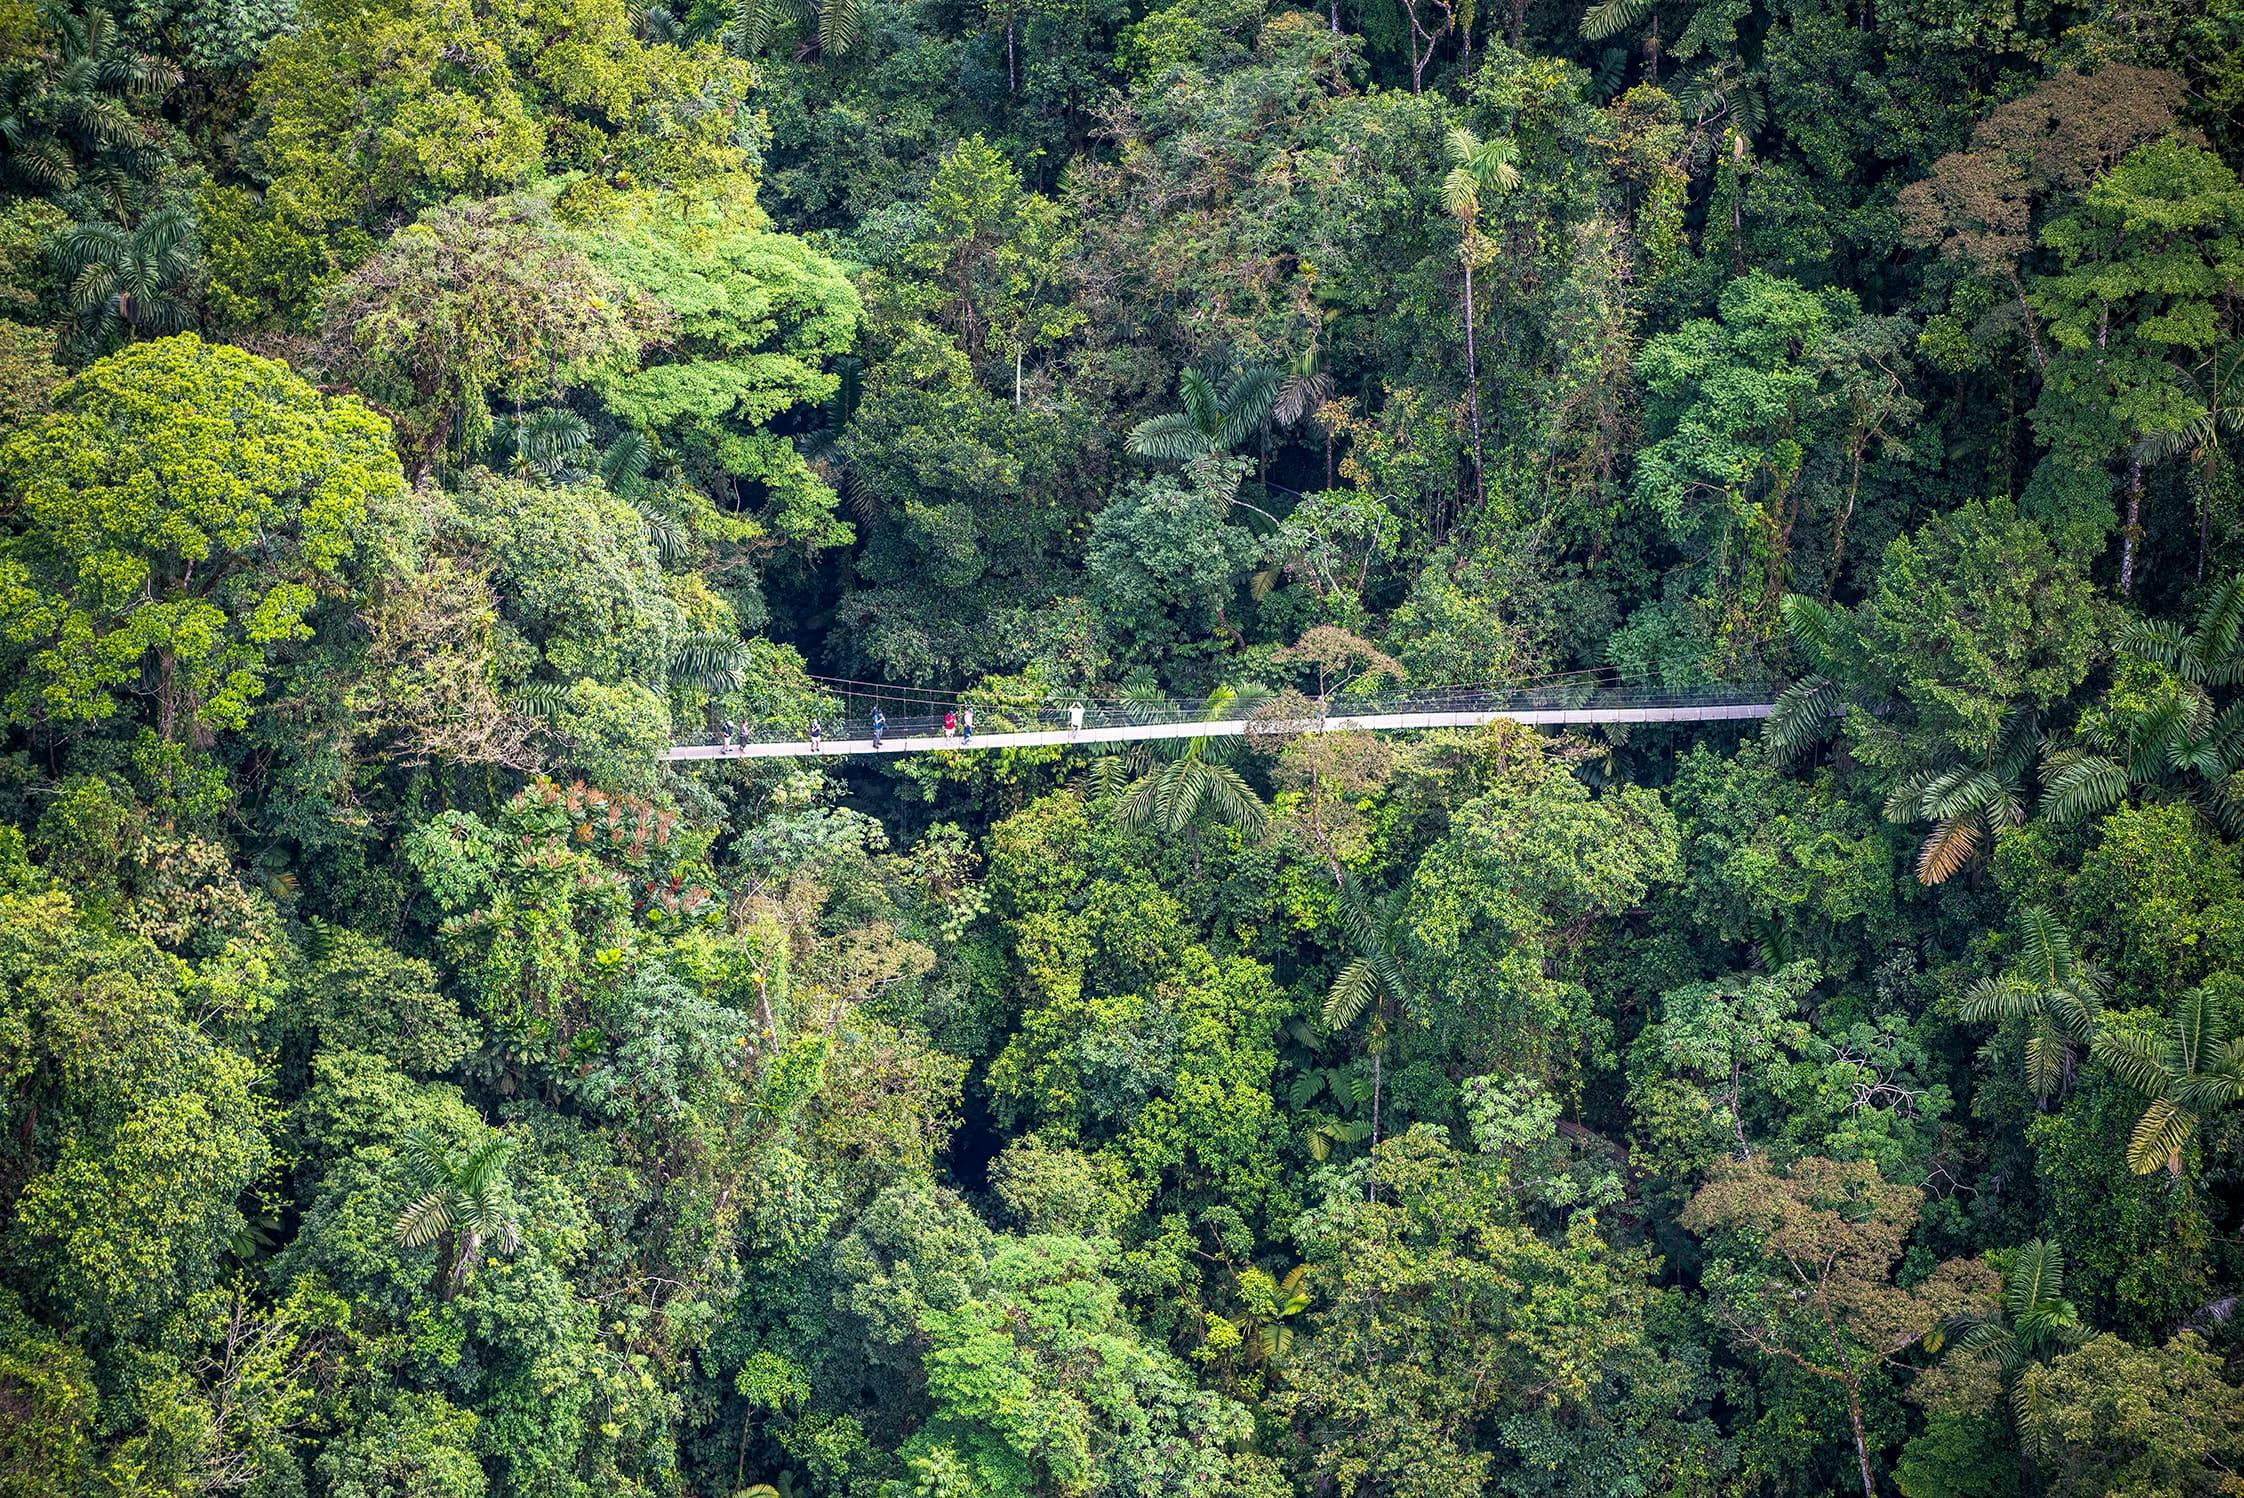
pixel 2158 1136
pixel 1804 715
pixel 624 464
pixel 542 700
pixel 2134 1058
pixel 1171 437
pixel 1992 1000
pixel 711 663
pixel 664 533
pixel 1609 18
pixel 426 1219
pixel 1352 993
pixel 1247 403
pixel 2079 786
pixel 1948 847
pixel 1203 404
pixel 475 1174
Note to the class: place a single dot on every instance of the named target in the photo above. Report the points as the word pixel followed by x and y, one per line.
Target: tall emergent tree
pixel 178 514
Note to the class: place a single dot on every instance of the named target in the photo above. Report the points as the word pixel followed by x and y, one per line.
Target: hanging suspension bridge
pixel 917 725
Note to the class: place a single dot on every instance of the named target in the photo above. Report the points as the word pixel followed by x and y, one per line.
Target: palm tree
pixel 1172 795
pixel 463 1207
pixel 2201 439
pixel 1476 167
pixel 2056 992
pixel 2190 1066
pixel 828 27
pixel 552 445
pixel 1377 978
pixel 2180 743
pixel 1607 19
pixel 2032 1324
pixel 1967 804
pixel 129 282
pixel 73 113
pixel 1302 395
pixel 1213 420
pixel 1812 706
pixel 2182 740
pixel 714 662
pixel 2210 653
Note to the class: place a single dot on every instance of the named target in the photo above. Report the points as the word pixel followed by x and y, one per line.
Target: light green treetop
pixel 177 514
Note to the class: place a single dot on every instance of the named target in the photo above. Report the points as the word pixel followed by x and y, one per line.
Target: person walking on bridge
pixel 817 737
pixel 966 723
pixel 1075 720
pixel 950 725
pixel 880 726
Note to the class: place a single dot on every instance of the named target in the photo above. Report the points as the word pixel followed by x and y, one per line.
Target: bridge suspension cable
pixel 1565 698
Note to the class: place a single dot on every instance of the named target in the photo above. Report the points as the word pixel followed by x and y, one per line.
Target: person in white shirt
pixel 1075 718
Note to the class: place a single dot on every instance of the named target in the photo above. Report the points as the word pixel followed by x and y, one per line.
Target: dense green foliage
pixel 415 415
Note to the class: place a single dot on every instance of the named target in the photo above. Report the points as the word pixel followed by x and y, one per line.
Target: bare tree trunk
pixel 1472 378
pixel 1335 17
pixel 2133 528
pixel 1375 1080
pixel 2204 524
pixel 2033 334
pixel 1861 1441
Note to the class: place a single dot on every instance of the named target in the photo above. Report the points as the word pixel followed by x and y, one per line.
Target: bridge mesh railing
pixel 921 715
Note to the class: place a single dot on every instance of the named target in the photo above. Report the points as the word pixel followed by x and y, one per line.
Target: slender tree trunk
pixel 2033 333
pixel 2204 523
pixel 1861 1440
pixel 1376 1057
pixel 1335 17
pixel 1472 377
pixel 1012 66
pixel 2133 529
